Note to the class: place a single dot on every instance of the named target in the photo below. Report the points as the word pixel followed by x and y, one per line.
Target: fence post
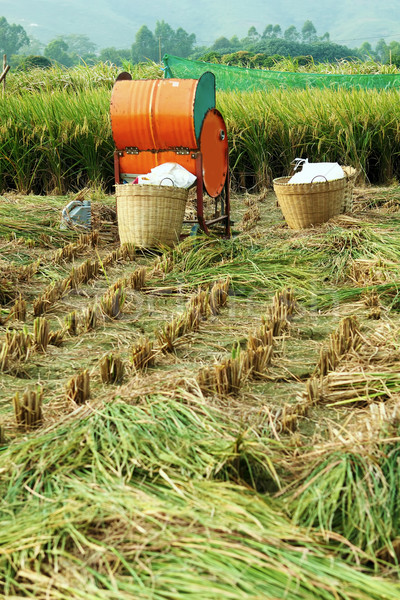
pixel 4 67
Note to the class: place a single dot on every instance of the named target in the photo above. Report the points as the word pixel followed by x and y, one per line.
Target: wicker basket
pixel 307 204
pixel 351 175
pixel 150 215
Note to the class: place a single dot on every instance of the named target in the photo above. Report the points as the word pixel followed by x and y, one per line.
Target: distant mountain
pixel 110 23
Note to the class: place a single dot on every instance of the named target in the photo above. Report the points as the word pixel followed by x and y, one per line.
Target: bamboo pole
pixel 6 68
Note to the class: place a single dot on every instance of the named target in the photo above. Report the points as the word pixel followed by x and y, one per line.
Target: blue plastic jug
pixel 78 213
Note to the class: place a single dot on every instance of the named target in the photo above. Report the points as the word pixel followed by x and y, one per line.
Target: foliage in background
pixel 73 49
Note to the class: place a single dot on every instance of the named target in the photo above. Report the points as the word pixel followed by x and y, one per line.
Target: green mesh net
pixel 239 78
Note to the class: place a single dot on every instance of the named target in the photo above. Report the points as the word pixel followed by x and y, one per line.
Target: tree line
pixel 258 49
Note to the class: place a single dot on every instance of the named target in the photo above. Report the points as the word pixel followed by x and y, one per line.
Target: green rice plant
pixel 68 143
pixel 142 540
pixel 350 493
pixel 354 127
pixel 79 78
pixel 132 441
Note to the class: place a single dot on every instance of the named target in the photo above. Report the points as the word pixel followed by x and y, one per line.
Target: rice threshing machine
pixel 174 121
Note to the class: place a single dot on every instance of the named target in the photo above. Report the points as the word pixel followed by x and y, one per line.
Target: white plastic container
pixel 313 172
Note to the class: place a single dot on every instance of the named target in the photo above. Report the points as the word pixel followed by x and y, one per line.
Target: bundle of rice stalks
pixel 26 272
pixel 223 379
pixel 52 293
pixel 286 298
pixel 111 369
pixel 71 323
pixel 16 346
pixel 78 387
pixel 84 273
pixel 192 319
pixel 367 272
pixel 200 302
pixel 276 319
pixel 114 257
pixel 143 354
pixel 263 336
pixel 219 295
pixel 127 252
pixel 251 217
pixel 137 279
pixel 56 338
pixel 171 332
pixel 312 393
pixel 89 317
pixel 40 305
pixel 3 439
pixel 120 283
pixel 375 313
pixel 73 249
pixel 7 290
pixel 89 239
pixel 348 387
pixel 372 301
pixel 18 310
pixel 41 333
pixel 162 265
pixel 28 409
pixel 346 338
pixel 112 302
pixel 288 417
pixel 256 358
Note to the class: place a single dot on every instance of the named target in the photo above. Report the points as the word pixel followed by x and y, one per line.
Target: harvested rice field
pixel 216 421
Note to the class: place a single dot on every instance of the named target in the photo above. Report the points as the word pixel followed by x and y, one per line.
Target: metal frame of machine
pixel 196 159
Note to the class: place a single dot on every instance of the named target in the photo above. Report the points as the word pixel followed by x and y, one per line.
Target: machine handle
pixel 171 180
pixel 312 180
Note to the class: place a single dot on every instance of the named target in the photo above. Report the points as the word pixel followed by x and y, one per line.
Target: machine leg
pixel 227 206
pixel 200 191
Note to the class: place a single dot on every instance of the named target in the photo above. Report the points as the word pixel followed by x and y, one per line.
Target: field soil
pixel 326 380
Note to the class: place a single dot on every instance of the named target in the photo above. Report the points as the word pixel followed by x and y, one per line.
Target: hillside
pixel 106 25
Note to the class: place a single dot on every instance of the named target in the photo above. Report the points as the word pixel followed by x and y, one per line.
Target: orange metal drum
pixel 160 113
pixel 214 149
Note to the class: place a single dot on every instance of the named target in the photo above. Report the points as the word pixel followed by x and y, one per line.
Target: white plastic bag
pixel 170 174
pixel 316 172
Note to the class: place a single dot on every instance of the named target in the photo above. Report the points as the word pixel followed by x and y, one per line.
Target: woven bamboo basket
pixel 306 204
pixel 351 174
pixel 150 215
